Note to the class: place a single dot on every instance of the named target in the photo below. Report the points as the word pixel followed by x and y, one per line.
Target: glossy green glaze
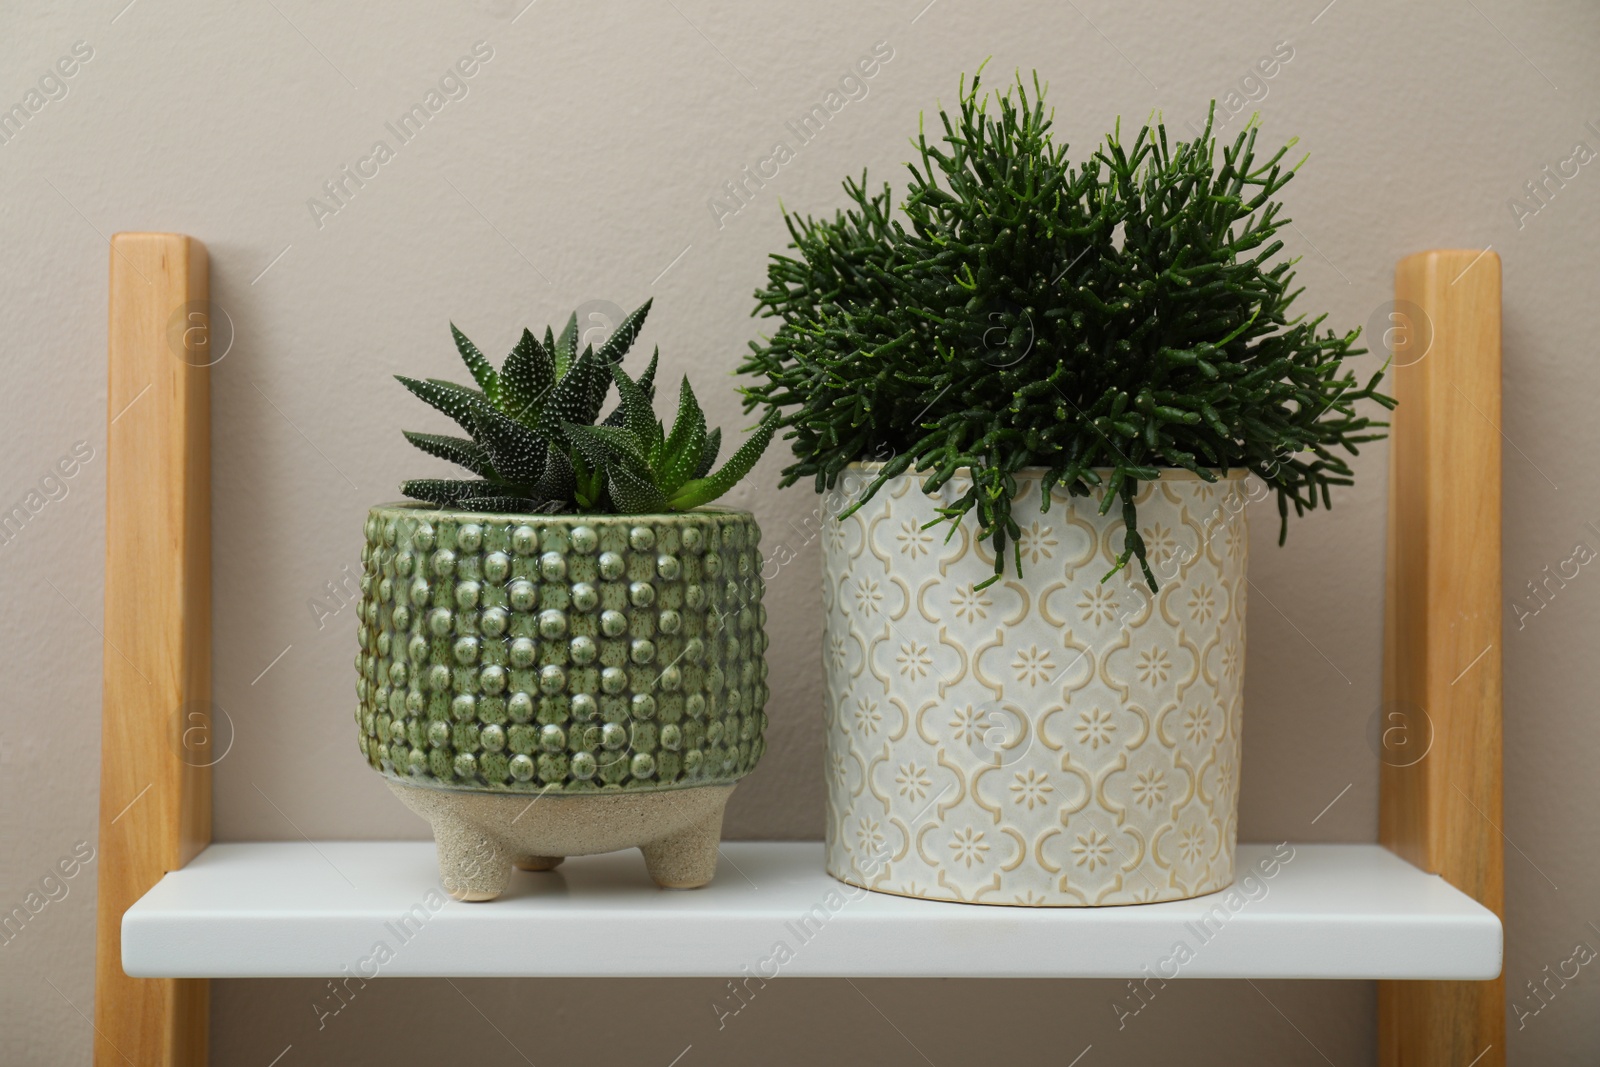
pixel 563 653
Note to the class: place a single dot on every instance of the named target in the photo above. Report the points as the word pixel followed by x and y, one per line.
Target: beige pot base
pixel 482 836
pixel 1216 885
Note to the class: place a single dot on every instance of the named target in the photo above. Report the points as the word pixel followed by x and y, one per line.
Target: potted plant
pixel 1034 598
pixel 563 653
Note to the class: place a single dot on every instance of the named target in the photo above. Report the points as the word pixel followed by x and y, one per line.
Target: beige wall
pixel 579 165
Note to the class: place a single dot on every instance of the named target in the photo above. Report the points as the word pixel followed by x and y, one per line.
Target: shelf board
pixel 288 909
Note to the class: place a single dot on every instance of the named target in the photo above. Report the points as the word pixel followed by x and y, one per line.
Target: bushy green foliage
pixel 535 447
pixel 1102 319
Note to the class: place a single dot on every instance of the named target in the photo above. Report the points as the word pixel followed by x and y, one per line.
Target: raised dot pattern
pixel 561 653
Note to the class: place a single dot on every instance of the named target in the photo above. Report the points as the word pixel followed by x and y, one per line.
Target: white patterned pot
pixel 1050 740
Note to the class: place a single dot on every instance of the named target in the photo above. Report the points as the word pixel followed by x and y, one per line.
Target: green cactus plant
pixel 535 446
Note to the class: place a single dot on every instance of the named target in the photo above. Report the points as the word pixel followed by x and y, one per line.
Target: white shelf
pixel 287 909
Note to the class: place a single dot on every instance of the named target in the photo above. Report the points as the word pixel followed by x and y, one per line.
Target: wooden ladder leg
pixel 1442 641
pixel 155 776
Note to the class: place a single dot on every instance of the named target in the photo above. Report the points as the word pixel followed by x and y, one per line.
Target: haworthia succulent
pixel 700 491
pixel 457 450
pixel 633 493
pixel 589 485
pixel 447 492
pixel 638 419
pixel 536 447
pixel 558 482
pixel 454 401
pixel 708 455
pixel 516 451
pixel 528 377
pixel 510 505
pixel 577 396
pixel 647 380
pixel 482 370
pixel 681 453
pixel 647 385
pixel 616 346
pixel 602 446
pixel 566 349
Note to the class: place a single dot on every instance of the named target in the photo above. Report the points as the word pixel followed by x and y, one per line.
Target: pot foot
pixel 686 859
pixel 472 866
pixel 480 840
pixel 470 896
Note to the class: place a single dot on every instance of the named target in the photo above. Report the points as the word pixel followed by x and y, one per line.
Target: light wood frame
pixel 1441 654
pixel 155 775
pixel 1441 662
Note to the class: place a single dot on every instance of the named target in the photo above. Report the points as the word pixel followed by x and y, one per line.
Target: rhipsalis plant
pixel 1103 320
pixel 534 445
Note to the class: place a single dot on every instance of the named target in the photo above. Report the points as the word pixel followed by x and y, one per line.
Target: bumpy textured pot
pixel 540 686
pixel 1051 740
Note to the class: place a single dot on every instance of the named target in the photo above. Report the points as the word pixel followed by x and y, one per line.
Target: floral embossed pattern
pixel 1049 741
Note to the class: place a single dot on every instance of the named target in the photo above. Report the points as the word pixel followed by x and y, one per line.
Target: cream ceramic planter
pixel 1050 740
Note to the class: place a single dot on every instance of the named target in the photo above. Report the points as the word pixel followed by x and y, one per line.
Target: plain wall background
pixel 579 166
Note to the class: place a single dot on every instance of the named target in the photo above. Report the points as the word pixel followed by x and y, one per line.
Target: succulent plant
pixel 534 444
pixel 1103 319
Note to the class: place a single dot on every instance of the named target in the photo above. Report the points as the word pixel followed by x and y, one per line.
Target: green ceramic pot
pixel 562 656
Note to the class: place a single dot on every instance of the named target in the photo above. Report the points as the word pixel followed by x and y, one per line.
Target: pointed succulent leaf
pixel 457 450
pixel 708 455
pixel 505 505
pixel 616 346
pixel 633 494
pixel 680 455
pixel 599 383
pixel 647 380
pixel 589 485
pixel 559 480
pixel 454 400
pixel 700 491
pixel 516 451
pixel 473 396
pixel 647 386
pixel 482 370
pixel 528 377
pixel 605 446
pixel 457 387
pixel 447 492
pixel 638 418
pixel 577 396
pixel 588 445
pixel 566 349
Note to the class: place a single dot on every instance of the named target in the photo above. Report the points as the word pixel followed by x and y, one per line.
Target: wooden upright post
pixel 1441 776
pixel 155 776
